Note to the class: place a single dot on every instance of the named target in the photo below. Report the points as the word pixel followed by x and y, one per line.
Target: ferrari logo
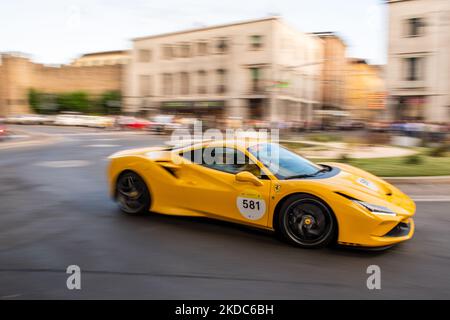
pixel 277 188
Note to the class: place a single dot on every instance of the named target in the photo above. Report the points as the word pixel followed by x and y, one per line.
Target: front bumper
pixel 385 234
pixel 403 231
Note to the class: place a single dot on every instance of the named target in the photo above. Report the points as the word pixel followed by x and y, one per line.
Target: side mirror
pixel 246 176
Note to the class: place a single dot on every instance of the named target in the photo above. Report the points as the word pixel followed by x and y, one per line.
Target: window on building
pixel 202 82
pixel 167 81
pixel 222 45
pixel 202 48
pixel 256 42
pixel 184 50
pixel 256 79
pixel 184 83
pixel 144 55
pixel 414 27
pixel 167 51
pixel 221 80
pixel 414 66
pixel 144 85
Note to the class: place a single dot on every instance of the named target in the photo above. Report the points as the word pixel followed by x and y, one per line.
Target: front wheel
pixel 132 193
pixel 306 221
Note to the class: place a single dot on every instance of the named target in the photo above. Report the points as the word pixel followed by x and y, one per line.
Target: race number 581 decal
pixel 251 205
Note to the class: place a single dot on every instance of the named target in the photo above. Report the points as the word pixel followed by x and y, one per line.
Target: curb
pixel 418 180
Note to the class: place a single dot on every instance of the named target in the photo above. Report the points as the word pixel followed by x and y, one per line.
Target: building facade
pixel 365 92
pixel 105 58
pixel 333 71
pixel 259 69
pixel 18 74
pixel 418 71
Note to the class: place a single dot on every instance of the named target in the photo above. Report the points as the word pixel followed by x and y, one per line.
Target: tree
pixel 73 101
pixel 110 102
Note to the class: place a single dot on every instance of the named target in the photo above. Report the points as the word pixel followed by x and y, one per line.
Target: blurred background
pixel 257 73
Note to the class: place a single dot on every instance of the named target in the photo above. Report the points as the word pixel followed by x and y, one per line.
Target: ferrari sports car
pixel 264 185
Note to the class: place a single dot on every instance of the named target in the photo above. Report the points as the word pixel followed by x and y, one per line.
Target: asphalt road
pixel 55 211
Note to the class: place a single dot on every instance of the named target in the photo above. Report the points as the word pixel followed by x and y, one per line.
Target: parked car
pixel 69 120
pixel 3 132
pixel 164 123
pixel 97 121
pixel 29 119
pixel 132 123
pixel 350 125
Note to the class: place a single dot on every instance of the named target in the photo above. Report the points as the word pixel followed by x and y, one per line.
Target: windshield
pixel 284 164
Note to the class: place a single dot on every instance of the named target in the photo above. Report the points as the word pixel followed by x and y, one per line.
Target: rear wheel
pixel 306 221
pixel 132 193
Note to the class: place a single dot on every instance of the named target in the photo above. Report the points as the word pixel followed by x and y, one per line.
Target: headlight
pixel 373 208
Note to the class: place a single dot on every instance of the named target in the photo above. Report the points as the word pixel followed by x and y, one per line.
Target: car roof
pixel 243 143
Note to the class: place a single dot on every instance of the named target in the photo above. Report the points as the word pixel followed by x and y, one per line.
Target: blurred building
pixel 104 58
pixel 365 93
pixel 333 71
pixel 259 69
pixel 418 73
pixel 18 74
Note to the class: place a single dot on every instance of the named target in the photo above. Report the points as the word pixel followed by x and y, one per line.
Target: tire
pixel 132 194
pixel 306 221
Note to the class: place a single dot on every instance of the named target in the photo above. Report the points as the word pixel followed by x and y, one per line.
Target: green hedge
pixel 108 102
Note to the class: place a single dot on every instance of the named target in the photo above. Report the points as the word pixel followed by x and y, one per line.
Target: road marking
pixel 64 163
pixel 107 139
pixel 17 136
pixel 11 296
pixel 431 199
pixel 102 145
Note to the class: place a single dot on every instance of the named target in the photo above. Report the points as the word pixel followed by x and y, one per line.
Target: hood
pixel 364 186
pixel 360 180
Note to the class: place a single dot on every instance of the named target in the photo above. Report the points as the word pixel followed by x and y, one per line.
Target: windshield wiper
pixel 300 176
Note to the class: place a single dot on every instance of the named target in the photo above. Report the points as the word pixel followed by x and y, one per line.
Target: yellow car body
pixel 181 187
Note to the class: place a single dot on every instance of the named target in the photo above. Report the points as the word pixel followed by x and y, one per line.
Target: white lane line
pixel 430 199
pixel 102 145
pixel 16 136
pixel 64 163
pixel 11 296
pixel 107 139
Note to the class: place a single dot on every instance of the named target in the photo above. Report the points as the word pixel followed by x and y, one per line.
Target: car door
pixel 212 188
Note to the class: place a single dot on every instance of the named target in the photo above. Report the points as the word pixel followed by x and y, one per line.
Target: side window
pixel 195 155
pixel 228 160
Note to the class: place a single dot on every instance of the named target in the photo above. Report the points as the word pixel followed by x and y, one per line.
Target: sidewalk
pixel 336 149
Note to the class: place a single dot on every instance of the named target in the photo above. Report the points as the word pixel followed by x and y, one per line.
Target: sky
pixel 56 32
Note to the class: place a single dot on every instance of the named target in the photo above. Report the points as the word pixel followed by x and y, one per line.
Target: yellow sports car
pixel 264 185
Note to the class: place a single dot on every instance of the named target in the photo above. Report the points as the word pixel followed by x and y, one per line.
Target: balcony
pixel 410 84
